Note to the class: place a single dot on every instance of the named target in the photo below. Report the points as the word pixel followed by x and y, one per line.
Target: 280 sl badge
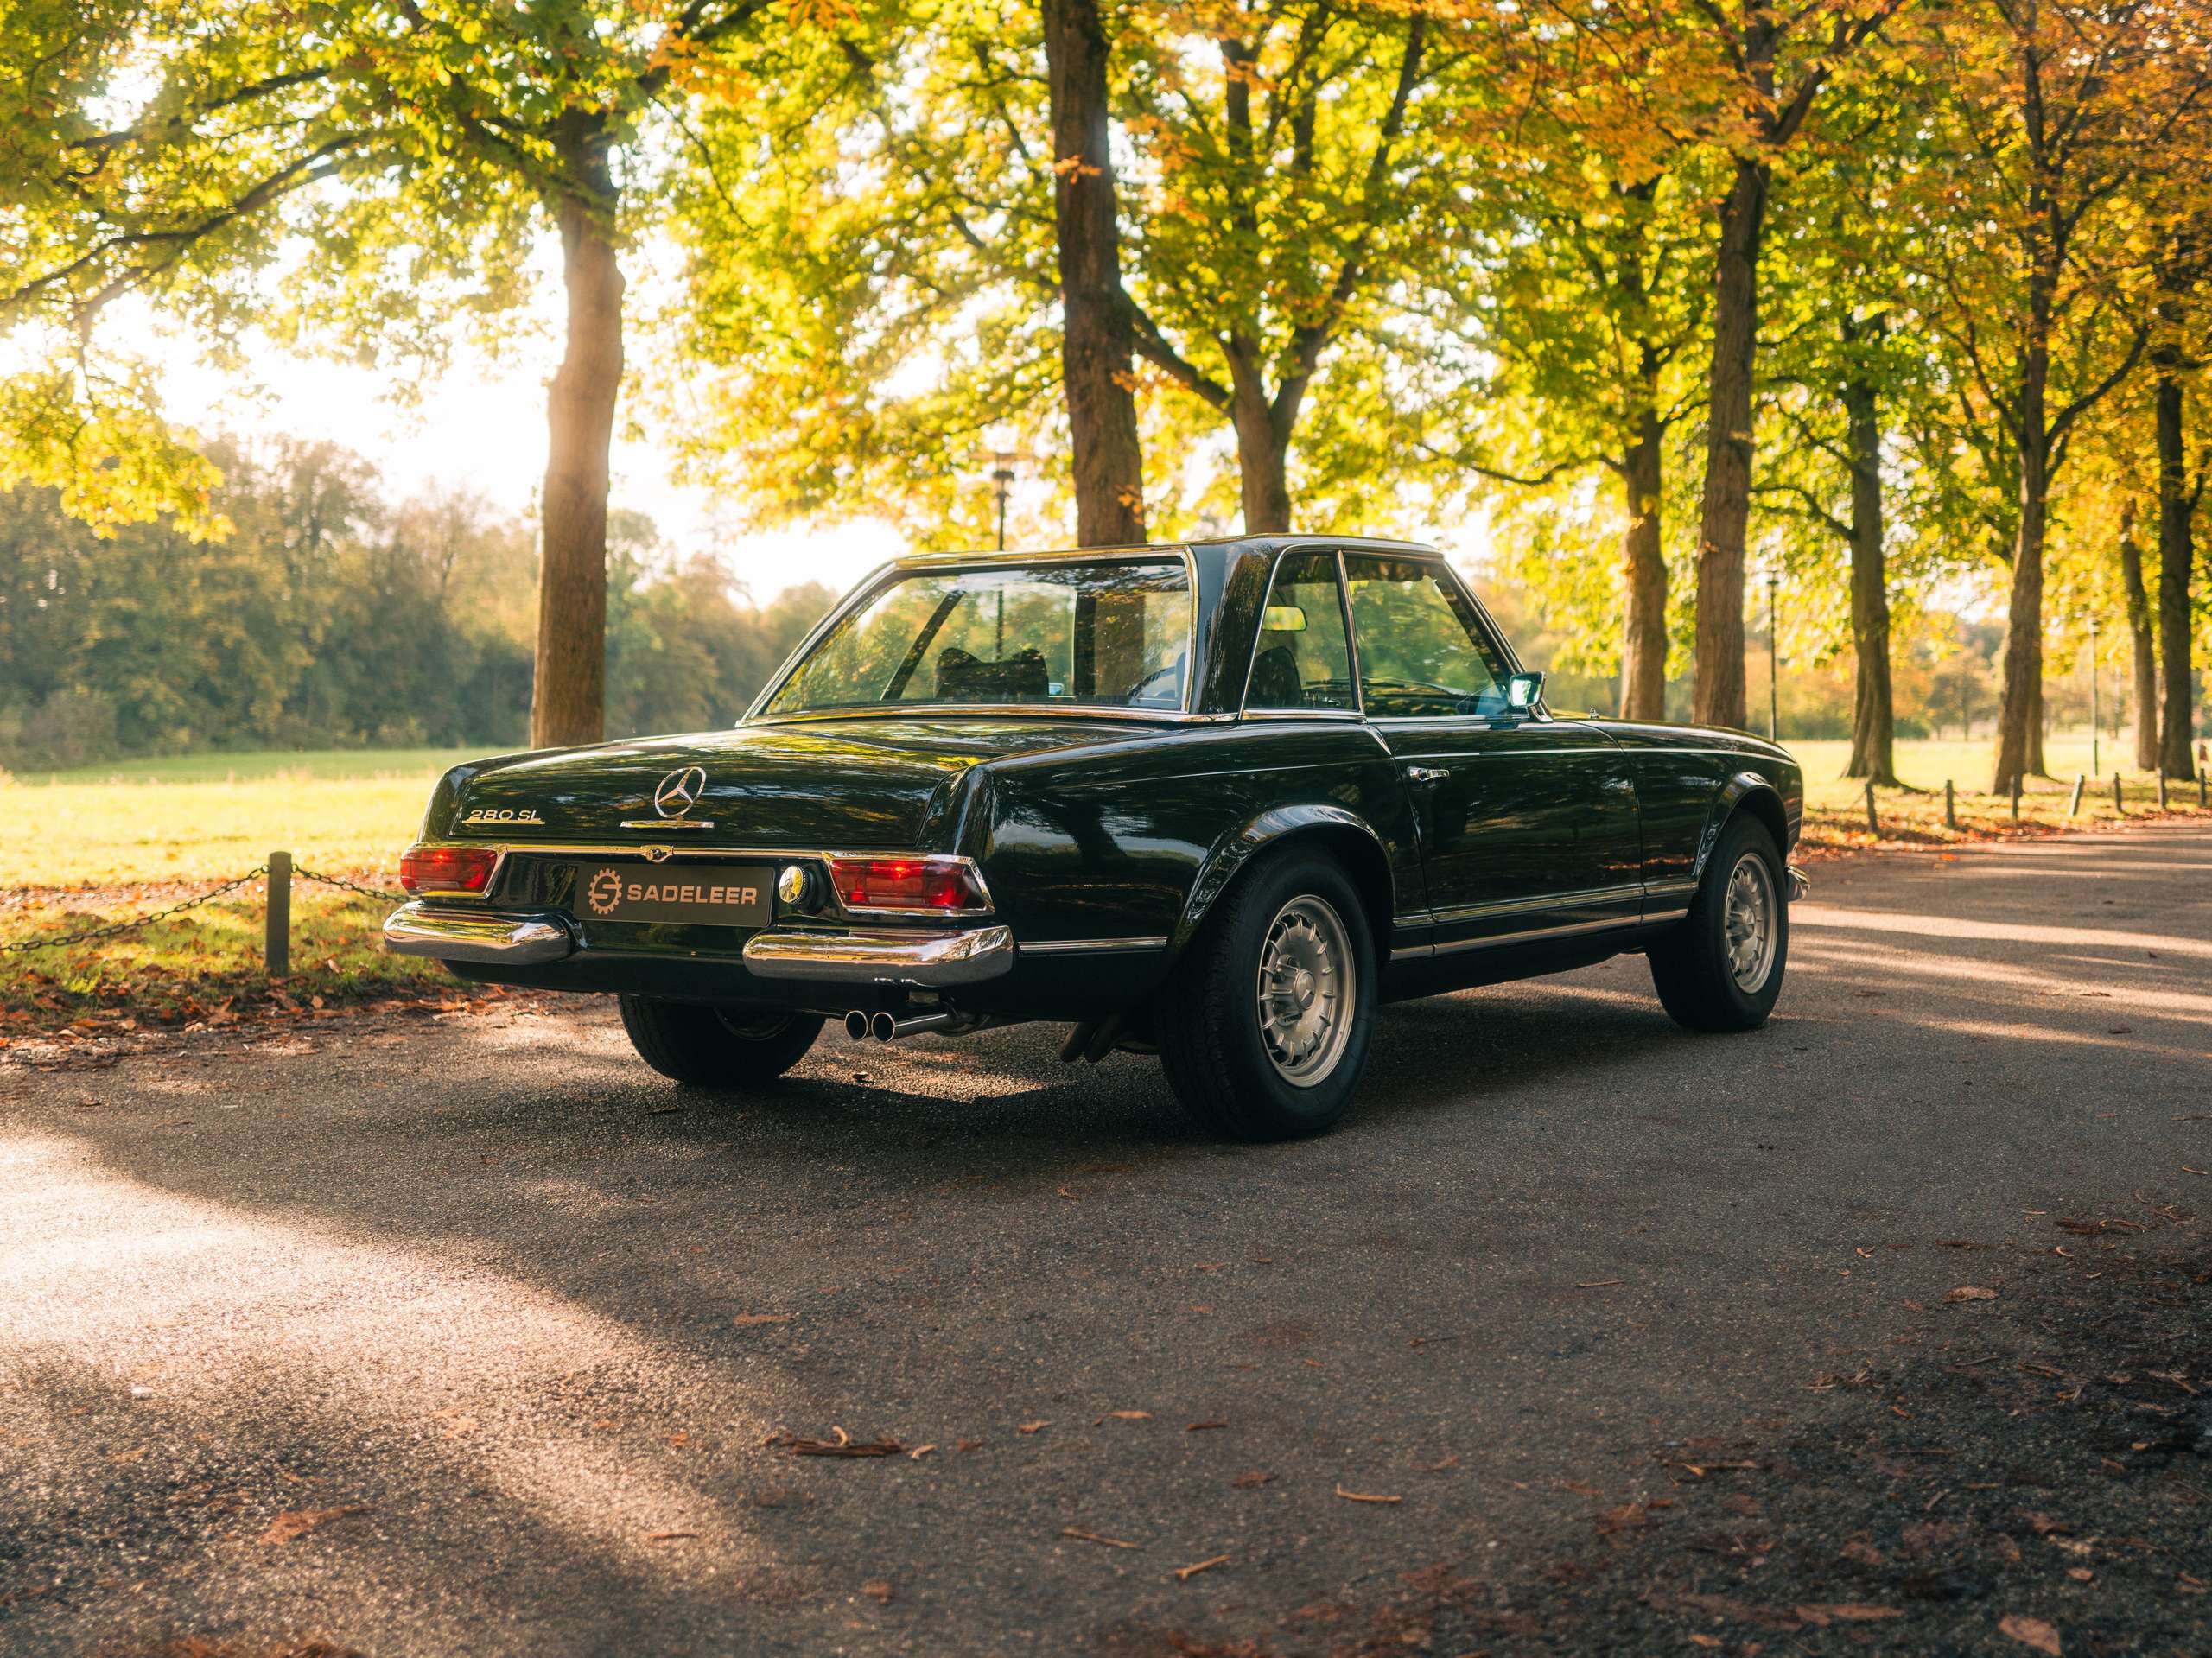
pixel 503 814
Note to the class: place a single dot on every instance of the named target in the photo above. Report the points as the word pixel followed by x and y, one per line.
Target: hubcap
pixel 1307 990
pixel 1750 920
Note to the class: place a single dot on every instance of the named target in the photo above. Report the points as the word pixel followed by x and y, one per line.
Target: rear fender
pixel 1235 850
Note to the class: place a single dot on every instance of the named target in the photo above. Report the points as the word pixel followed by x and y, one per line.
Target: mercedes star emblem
pixel 679 792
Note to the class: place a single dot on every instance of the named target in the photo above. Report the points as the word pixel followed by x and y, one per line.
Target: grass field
pixel 205 818
pixel 157 828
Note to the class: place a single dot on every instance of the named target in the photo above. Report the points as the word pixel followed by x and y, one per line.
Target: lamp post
pixel 1773 653
pixel 1002 483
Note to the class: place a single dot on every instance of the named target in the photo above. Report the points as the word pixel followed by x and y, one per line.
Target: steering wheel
pixel 1135 691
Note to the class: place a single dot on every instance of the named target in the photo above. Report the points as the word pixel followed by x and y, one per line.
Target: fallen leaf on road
pixel 1201 1427
pixel 668 1536
pixel 2030 1632
pixel 1712 1642
pixel 877 1590
pixel 1846 1612
pixel 299 1521
pixel 746 1320
pixel 1035 1427
pixel 844 1445
pixel 1602 1283
pixel 1366 1496
pixel 1971 1292
pixel 2185 1169
pixel 1183 1574
pixel 1252 1478
pixel 1128 1415
pixel 920 1451
pixel 122 1457
pixel 1863 1551
pixel 1080 1534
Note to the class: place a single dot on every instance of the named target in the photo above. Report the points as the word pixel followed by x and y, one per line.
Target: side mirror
pixel 1522 691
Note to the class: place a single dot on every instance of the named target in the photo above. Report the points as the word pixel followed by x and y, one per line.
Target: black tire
pixel 715 1047
pixel 1208 1022
pixel 1692 968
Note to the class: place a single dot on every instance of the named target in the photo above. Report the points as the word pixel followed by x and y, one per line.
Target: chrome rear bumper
pixel 1801 884
pixel 476 936
pixel 849 956
pixel 856 957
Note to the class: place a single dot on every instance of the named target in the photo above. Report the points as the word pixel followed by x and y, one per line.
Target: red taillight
pixel 447 868
pixel 908 884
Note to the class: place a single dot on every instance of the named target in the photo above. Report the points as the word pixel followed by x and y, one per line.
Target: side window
pixel 1422 650
pixel 1302 660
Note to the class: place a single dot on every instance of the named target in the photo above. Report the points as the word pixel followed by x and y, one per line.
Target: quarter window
pixel 1302 660
pixel 1422 650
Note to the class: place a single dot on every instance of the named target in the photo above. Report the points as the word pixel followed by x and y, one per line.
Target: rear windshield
pixel 1107 633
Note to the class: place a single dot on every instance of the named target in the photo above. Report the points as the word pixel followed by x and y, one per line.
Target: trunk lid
pixel 821 785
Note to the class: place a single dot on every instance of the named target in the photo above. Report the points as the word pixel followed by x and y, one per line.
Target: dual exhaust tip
pixel 885 1027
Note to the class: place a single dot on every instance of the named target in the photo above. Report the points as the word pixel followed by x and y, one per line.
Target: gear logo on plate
pixel 604 891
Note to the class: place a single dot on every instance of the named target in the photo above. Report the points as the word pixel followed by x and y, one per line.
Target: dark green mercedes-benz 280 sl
pixel 1217 802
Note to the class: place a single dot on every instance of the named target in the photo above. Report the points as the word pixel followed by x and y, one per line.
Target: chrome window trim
pixel 953 563
pixel 504 849
pixel 1483 620
pixel 1244 708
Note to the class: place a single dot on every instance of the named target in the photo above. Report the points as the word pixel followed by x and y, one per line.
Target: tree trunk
pixel 2019 718
pixel 1873 714
pixel 1644 572
pixel 2174 555
pixel 1095 346
pixel 568 694
pixel 1263 459
pixel 1728 504
pixel 2142 647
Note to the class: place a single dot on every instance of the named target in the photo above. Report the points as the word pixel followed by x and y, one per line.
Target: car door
pixel 1528 823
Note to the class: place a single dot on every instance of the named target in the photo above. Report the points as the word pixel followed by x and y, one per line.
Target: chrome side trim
pixel 1457 945
pixel 1669 913
pixel 667 823
pixel 1622 923
pixel 887 957
pixel 1670 888
pixel 1554 900
pixel 1088 946
pixel 476 936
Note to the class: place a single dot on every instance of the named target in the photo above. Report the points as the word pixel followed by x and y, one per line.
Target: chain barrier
pixel 345 885
pixel 118 929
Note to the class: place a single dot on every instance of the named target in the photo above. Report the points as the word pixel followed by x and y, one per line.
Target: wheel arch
pixel 1746 791
pixel 1344 833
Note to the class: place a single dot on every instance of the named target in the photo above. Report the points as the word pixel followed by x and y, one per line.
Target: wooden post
pixel 1951 806
pixel 2015 799
pixel 2074 804
pixel 276 948
pixel 2119 807
pixel 1874 823
pixel 2162 788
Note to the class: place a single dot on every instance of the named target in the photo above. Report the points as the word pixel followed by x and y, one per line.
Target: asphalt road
pixel 472 1336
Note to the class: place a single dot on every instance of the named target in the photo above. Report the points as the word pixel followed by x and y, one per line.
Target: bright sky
pixel 483 427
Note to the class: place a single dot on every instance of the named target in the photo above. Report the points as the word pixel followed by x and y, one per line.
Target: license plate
pixel 694 894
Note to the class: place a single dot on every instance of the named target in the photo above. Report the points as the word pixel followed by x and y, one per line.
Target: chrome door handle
pixel 1427 774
